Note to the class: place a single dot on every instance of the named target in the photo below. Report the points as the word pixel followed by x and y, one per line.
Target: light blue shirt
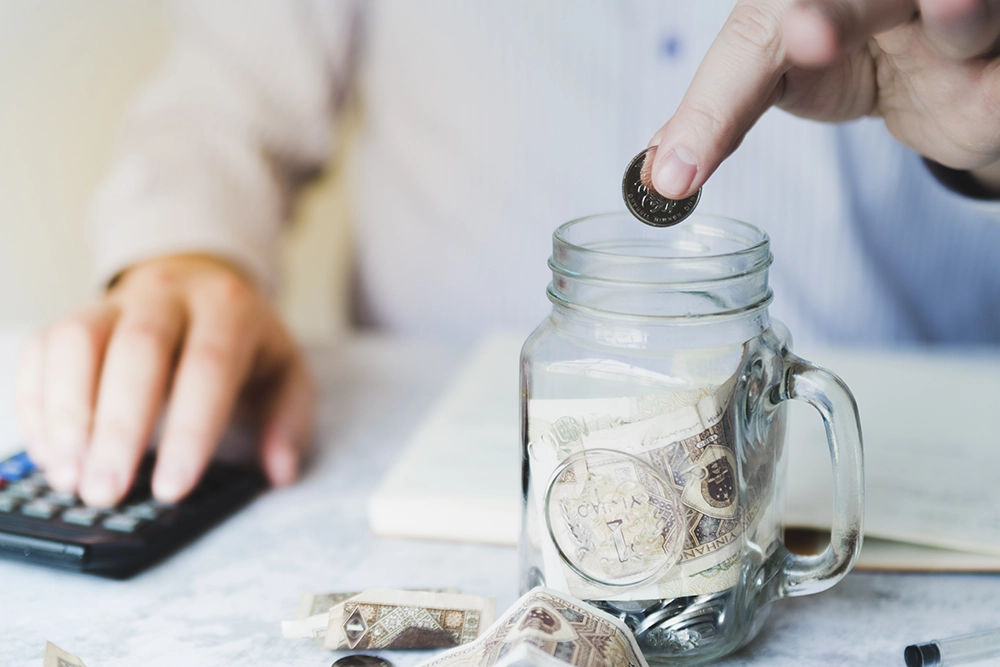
pixel 485 126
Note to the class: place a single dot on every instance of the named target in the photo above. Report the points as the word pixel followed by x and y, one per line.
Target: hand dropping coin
pixel 645 203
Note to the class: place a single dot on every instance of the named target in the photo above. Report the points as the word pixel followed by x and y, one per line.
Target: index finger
pixel 213 366
pixel 736 82
pixel 742 75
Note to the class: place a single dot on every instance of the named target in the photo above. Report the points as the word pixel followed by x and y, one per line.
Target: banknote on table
pixel 382 618
pixel 56 657
pixel 312 615
pixel 546 628
pixel 312 604
pixel 529 655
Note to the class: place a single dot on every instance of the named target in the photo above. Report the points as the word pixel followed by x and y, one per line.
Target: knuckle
pixel 145 338
pixel 989 111
pixel 229 289
pixel 718 129
pixel 164 274
pixel 124 433
pixel 148 278
pixel 75 335
pixel 196 438
pixel 973 130
pixel 215 356
pixel 758 26
pixel 69 414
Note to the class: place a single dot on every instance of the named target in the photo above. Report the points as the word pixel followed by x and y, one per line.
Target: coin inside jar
pixel 361 660
pixel 645 203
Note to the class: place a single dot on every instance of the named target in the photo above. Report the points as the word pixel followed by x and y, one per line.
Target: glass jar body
pixel 699 418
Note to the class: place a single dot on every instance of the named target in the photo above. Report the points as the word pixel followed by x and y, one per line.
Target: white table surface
pixel 220 601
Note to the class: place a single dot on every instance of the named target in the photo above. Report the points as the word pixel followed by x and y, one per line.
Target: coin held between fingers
pixel 645 203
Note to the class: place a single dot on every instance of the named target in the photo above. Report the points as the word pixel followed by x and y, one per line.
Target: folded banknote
pixel 391 619
pixel 56 657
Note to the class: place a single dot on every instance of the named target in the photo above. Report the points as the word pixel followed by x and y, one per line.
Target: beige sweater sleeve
pixel 213 148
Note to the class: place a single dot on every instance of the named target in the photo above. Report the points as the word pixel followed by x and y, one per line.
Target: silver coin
pixel 691 612
pixel 646 203
pixel 655 619
pixel 633 606
pixel 361 660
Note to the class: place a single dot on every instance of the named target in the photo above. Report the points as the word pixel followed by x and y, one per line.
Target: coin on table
pixel 646 203
pixel 361 660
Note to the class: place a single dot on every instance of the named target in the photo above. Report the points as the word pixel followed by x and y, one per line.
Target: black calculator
pixel 43 526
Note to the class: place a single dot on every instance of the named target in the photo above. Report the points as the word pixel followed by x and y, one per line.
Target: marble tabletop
pixel 220 601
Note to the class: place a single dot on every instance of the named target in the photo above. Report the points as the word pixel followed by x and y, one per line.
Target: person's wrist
pixel 982 183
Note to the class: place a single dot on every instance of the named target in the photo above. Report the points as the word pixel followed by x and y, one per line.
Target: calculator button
pixel 25 489
pixel 81 516
pixel 122 523
pixel 9 503
pixel 148 511
pixel 38 477
pixel 41 509
pixel 16 467
pixel 161 508
pixel 61 498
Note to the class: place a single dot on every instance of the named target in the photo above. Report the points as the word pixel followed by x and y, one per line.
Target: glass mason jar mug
pixel 653 436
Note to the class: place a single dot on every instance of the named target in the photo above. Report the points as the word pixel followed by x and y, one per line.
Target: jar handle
pixel 804 381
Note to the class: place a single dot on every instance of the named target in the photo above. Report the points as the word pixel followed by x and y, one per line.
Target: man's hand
pixel 928 67
pixel 93 386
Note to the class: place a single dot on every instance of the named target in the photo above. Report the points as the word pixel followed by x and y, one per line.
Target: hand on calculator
pixel 186 332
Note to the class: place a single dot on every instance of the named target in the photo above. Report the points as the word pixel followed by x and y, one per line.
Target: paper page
pixel 932 455
pixel 459 478
pixel 878 555
pixel 932 449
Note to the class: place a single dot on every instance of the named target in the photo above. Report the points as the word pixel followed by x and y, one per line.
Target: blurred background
pixel 67 72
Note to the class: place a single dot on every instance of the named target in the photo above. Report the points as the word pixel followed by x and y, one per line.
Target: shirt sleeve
pixel 959 193
pixel 242 111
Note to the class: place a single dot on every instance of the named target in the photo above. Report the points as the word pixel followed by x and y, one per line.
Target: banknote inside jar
pixel 636 497
pixel 613 519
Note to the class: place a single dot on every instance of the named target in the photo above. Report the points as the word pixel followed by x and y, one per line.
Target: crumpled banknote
pixel 547 628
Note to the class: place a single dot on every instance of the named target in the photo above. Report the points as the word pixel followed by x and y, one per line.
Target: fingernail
pixel 676 171
pixel 169 483
pixel 100 486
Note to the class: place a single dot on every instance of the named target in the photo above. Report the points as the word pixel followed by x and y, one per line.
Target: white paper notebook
pixel 932 455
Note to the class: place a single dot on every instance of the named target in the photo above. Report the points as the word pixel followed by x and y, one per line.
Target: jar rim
pixel 696 221
pixel 706 267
